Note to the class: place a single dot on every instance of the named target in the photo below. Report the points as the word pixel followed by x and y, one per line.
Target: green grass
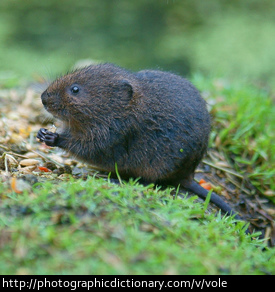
pixel 94 227
pixel 244 125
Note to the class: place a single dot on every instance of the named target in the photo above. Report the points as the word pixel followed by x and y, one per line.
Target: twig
pixel 223 169
pixel 47 158
pixel 15 154
pixel 6 161
pixel 238 185
pixel 4 147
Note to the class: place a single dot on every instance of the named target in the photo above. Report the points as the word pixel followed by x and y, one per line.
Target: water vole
pixel 152 124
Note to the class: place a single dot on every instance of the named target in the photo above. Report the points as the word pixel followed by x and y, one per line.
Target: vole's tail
pixel 217 200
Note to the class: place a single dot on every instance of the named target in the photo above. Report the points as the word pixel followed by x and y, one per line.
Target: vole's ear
pixel 126 88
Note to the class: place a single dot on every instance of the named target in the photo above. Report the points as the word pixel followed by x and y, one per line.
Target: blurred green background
pixel 234 39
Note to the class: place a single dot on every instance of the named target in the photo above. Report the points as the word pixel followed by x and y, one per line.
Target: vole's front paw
pixel 41 134
pixel 48 137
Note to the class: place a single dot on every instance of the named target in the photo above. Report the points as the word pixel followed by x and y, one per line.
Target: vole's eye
pixel 74 89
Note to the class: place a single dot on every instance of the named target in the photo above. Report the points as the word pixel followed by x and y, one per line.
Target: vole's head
pixel 93 94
